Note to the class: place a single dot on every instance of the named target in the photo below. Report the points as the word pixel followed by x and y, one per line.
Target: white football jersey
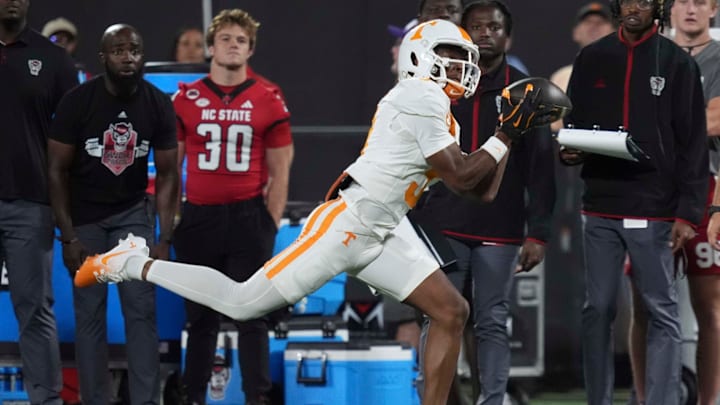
pixel 412 122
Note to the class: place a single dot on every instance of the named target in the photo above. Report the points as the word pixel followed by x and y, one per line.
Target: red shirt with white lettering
pixel 226 130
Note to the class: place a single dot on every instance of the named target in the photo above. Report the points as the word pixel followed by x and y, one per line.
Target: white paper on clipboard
pixel 617 144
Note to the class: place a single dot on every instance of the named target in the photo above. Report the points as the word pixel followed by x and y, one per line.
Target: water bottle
pixel 12 373
pixel 3 379
pixel 19 385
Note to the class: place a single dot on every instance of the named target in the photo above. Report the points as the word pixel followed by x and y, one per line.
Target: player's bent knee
pixel 455 313
pixel 462 311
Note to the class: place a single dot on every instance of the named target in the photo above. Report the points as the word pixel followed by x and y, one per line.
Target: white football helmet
pixel 417 57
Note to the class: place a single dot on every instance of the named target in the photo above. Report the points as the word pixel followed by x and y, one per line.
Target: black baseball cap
pixel 596 8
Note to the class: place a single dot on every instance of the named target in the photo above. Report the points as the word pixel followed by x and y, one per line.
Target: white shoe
pixel 109 267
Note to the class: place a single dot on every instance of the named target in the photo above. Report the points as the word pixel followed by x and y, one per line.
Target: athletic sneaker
pixel 109 267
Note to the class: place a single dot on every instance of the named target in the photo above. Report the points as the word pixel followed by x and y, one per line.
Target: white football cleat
pixel 109 267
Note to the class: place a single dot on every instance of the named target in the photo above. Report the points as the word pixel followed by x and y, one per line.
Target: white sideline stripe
pixel 286 221
pixel 341 335
pixel 375 353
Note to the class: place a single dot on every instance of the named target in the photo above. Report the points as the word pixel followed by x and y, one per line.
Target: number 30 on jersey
pixel 236 147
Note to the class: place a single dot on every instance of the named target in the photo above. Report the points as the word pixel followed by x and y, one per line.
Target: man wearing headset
pixel 639 80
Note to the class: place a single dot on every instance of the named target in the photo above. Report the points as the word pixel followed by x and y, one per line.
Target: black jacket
pixel 611 87
pixel 530 168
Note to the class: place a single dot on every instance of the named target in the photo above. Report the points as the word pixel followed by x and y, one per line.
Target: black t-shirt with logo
pixel 34 75
pixel 112 137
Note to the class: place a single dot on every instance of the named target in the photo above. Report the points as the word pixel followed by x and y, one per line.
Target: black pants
pixel 236 239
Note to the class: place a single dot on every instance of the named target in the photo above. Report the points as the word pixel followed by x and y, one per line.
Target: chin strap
pixel 453 90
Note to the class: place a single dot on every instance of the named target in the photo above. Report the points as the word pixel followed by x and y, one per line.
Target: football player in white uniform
pixel 411 142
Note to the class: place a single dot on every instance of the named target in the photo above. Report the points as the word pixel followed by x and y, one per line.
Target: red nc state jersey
pixel 226 132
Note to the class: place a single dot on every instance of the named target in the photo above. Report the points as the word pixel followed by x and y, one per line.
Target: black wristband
pixel 166 239
pixel 68 241
pixel 713 209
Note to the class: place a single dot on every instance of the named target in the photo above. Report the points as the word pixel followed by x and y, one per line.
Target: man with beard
pixel 98 156
pixel 234 129
pixel 34 75
pixel 645 83
pixel 490 240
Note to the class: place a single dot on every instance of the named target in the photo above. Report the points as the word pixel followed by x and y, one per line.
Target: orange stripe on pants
pixel 314 215
pixel 298 247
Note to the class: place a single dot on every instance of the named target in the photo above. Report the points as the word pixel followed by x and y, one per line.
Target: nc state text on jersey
pixel 226 115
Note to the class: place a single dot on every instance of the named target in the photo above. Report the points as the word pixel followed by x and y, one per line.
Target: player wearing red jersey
pixel 235 132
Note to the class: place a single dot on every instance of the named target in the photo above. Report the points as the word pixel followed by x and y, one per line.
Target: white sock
pixel 134 266
pixel 241 301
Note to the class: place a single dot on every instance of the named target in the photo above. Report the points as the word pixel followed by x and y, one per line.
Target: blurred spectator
pixel 64 33
pixel 189 46
pixel 398 33
pixel 34 75
pixel 593 21
pixel 440 9
pixel 452 10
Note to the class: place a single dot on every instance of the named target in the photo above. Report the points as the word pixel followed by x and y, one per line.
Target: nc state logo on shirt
pixel 219 378
pixel 34 65
pixel 192 94
pixel 657 84
pixel 119 148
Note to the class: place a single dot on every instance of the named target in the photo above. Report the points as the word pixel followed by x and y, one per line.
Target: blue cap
pixel 399 32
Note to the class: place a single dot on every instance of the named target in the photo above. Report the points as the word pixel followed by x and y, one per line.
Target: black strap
pixel 692 47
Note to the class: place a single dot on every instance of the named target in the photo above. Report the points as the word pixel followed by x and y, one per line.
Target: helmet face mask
pixel 443 52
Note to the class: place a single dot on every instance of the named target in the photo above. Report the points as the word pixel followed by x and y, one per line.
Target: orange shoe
pixel 109 267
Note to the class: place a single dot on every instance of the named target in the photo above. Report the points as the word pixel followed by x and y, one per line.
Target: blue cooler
pixel 353 373
pixel 302 329
pixel 225 386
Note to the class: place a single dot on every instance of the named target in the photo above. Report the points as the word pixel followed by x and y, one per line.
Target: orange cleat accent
pixel 110 267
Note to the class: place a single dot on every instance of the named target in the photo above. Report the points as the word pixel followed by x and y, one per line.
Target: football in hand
pixel 550 99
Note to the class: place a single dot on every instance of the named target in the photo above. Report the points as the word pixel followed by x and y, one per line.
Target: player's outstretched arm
pixel 477 175
pixel 525 104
